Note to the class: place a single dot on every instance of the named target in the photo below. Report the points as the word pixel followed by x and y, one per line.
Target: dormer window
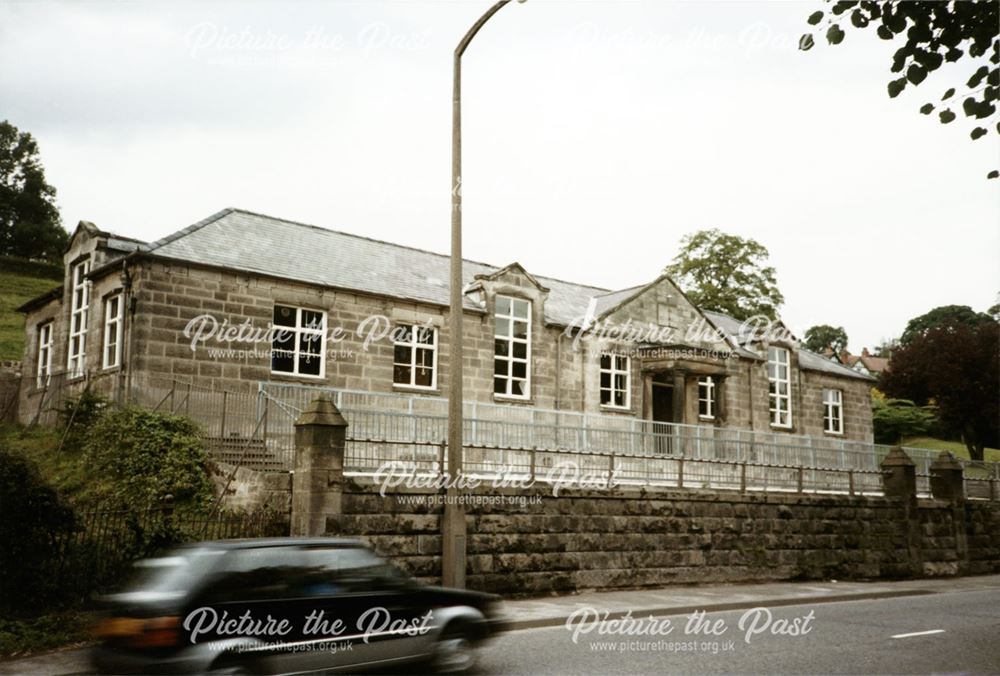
pixel 76 362
pixel 512 348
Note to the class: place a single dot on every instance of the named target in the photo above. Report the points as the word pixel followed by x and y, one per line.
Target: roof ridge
pixel 174 236
pixel 229 210
pixel 627 288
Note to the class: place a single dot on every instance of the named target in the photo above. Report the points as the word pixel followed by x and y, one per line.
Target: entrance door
pixel 663 403
pixel 663 412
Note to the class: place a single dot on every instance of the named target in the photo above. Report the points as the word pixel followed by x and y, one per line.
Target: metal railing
pixel 257 430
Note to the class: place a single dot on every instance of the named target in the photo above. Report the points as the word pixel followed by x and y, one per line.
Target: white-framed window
pixel 299 341
pixel 706 398
pixel 113 313
pixel 779 386
pixel 512 348
pixel 414 356
pixel 833 411
pixel 76 362
pixel 44 370
pixel 616 381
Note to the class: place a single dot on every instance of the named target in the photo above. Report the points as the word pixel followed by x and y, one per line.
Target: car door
pixel 382 616
pixel 268 595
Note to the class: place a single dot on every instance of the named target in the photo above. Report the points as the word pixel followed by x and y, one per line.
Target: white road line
pixel 919 633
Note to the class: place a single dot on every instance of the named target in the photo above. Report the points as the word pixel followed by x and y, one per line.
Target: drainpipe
pixel 128 317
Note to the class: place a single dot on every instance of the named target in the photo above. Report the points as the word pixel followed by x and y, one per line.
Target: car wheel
pixel 455 651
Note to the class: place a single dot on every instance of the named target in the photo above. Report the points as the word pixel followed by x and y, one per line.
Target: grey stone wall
pixel 250 490
pixel 598 540
pixel 169 295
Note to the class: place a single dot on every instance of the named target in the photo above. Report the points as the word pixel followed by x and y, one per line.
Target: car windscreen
pixel 175 572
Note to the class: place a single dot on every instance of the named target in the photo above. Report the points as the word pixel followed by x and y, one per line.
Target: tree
pixel 818 338
pixel 895 419
pixel 30 226
pixel 933 33
pixel 727 274
pixel 945 316
pixel 958 369
pixel 886 347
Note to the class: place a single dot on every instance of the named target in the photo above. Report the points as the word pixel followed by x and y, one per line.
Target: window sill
pixel 508 399
pixel 415 389
pixel 787 428
pixel 617 409
pixel 281 375
pixel 833 434
pixel 707 418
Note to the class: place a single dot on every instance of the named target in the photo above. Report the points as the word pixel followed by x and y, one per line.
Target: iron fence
pixel 98 553
pixel 257 430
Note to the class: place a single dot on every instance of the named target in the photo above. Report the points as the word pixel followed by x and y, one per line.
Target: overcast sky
pixel 596 135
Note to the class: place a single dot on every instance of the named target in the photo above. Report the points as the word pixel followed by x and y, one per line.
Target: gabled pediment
pixel 515 270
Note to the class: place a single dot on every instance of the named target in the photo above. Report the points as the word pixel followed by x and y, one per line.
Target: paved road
pixel 843 638
pixel 852 637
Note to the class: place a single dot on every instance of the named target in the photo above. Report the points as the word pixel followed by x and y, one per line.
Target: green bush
pixel 34 524
pixel 149 456
pixel 77 416
pixel 894 419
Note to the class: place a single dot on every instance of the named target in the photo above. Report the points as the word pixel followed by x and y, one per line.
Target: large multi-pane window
pixel 833 411
pixel 44 370
pixel 512 348
pixel 298 341
pixel 706 398
pixel 615 381
pixel 76 362
pixel 415 356
pixel 779 381
pixel 112 331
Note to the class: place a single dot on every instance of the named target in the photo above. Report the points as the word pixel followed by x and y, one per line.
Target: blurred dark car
pixel 287 605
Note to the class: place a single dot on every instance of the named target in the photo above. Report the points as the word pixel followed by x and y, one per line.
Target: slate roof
pixel 809 361
pixel 250 242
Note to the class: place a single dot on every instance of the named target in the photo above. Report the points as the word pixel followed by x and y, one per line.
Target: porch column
pixel 680 396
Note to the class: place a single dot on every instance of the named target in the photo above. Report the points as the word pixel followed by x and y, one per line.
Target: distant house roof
pixel 816 362
pixel 864 362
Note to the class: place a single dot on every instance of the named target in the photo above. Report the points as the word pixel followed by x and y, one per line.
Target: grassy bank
pixel 956 447
pixel 20 281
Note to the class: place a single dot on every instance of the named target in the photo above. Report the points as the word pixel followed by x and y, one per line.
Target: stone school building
pixel 240 298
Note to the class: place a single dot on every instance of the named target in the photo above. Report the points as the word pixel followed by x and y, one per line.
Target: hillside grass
pixel 20 281
pixel 956 447
pixel 65 470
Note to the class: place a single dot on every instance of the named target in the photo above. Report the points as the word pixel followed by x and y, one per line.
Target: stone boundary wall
pixel 528 542
pixel 251 490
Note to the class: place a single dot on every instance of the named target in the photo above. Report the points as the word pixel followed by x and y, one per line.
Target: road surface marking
pixel 919 633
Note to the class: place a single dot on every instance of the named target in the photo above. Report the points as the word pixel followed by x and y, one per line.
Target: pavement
pixel 679 600
pixel 675 600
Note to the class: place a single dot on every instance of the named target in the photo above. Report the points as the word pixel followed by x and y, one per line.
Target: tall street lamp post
pixel 453 544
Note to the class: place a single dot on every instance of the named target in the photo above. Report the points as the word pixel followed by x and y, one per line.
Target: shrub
pixel 894 419
pixel 149 456
pixel 34 524
pixel 78 415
